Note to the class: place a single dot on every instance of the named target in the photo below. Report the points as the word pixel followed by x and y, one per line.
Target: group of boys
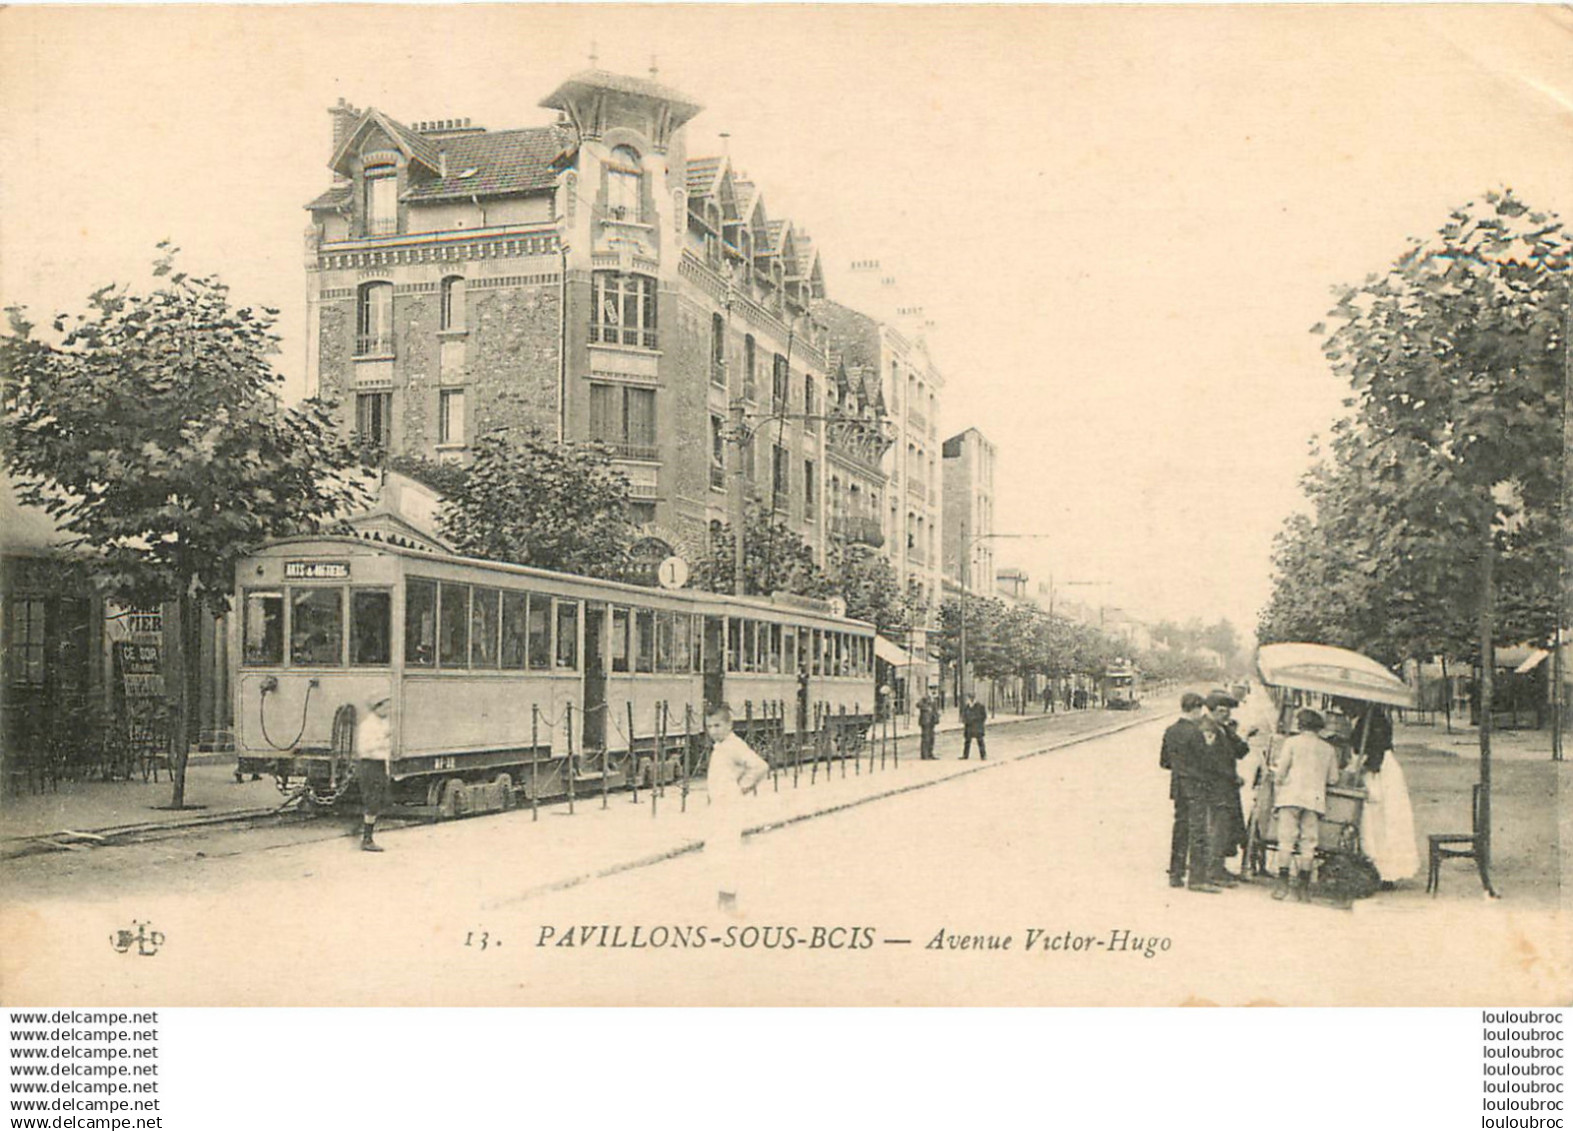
pixel 1201 750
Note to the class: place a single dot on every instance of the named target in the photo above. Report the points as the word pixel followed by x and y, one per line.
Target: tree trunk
pixel 183 733
pixel 1487 688
pixel 1447 696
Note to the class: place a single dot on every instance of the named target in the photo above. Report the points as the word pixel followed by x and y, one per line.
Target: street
pixel 1028 880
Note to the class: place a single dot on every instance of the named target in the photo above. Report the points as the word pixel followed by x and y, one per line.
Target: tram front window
pixel 371 615
pixel 316 627
pixel 420 623
pixel 264 627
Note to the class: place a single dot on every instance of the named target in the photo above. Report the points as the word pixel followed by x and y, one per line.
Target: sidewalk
pixel 211 789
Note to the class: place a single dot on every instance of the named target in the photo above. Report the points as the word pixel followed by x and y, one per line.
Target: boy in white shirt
pixel 734 771
pixel 1305 766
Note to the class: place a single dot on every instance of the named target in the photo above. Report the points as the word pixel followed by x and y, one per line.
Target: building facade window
pixel 810 399
pixel 24 643
pixel 625 184
pixel 452 317
pixel 810 491
pixel 374 418
pixel 717 452
pixel 780 477
pixel 750 358
pixel 450 416
pixel 624 310
pixel 374 319
pixel 381 201
pixel 623 417
pixel 780 388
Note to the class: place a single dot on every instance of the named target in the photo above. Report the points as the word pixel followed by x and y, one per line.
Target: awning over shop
pixel 892 654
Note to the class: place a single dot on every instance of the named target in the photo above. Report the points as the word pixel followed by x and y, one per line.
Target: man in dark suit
pixel 974 716
pixel 928 719
pixel 1180 743
pixel 1232 748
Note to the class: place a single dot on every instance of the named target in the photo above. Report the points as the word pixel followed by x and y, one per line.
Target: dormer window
pixel 624 184
pixel 382 201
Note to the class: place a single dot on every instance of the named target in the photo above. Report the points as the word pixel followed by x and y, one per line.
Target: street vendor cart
pixel 1344 686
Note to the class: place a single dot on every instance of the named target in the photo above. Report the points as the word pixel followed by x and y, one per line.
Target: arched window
pixel 374 319
pixel 625 183
pixel 452 303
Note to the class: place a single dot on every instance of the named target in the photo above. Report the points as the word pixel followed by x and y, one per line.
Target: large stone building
pixel 590 280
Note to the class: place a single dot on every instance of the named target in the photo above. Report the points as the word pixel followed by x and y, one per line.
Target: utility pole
pixel 1559 675
pixel 739 517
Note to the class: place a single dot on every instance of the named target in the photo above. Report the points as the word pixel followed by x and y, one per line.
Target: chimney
pixel 344 118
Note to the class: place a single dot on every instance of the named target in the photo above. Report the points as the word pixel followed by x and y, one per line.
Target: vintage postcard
pixel 785 505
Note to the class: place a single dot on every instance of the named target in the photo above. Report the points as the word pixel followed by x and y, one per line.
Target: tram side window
pixel 802 650
pixel 839 656
pixel 483 628
pixel 264 626
pixel 540 632
pixel 371 625
pixel 750 646
pixel 682 643
pixel 644 640
pixel 316 627
pixel 734 636
pixel 665 645
pixel 815 654
pixel 789 650
pixel 420 623
pixel 515 629
pixel 453 618
pixel 568 634
pixel 619 640
pixel 775 648
pixel 698 650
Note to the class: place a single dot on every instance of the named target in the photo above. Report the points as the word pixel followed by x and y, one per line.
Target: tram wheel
pixel 434 792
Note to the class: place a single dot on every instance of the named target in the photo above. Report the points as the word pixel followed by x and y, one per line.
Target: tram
pixel 510 682
pixel 1122 686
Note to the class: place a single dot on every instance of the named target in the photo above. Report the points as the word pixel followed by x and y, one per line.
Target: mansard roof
pixel 494 163
pixel 497 163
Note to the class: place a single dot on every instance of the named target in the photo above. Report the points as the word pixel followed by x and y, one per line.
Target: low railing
pixel 371 345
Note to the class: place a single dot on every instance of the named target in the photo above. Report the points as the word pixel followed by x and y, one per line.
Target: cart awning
pixel 893 654
pixel 1332 671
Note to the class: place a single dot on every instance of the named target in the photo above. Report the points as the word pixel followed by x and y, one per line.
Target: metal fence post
pixel 688 743
pixel 568 714
pixel 841 737
pixel 633 754
pixel 655 761
pixel 535 762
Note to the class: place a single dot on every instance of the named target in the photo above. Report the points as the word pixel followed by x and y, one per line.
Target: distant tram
pixel 1122 687
pixel 510 682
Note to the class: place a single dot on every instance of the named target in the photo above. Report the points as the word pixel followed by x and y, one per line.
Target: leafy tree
pixel 1445 484
pixel 152 430
pixel 869 585
pixel 540 503
pixel 775 559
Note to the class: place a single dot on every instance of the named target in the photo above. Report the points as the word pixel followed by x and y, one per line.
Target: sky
pixel 1122 221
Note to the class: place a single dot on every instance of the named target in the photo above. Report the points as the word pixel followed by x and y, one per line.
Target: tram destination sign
pixel 316 571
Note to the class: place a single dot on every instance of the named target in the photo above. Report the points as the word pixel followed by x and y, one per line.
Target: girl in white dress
pixel 1387 823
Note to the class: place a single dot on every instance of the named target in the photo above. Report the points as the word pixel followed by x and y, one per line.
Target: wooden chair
pixel 1459 846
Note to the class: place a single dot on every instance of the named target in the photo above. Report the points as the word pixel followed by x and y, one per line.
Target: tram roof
pixel 513 569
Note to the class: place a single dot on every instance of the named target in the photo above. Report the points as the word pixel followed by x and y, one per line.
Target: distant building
pixel 968 460
pixel 1011 584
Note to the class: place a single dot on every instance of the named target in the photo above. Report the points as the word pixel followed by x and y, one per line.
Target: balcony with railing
pixel 857 530
pixel 378 343
pixel 640 453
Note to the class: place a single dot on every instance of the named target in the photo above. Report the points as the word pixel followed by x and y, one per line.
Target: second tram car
pixel 1122 687
pixel 509 681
